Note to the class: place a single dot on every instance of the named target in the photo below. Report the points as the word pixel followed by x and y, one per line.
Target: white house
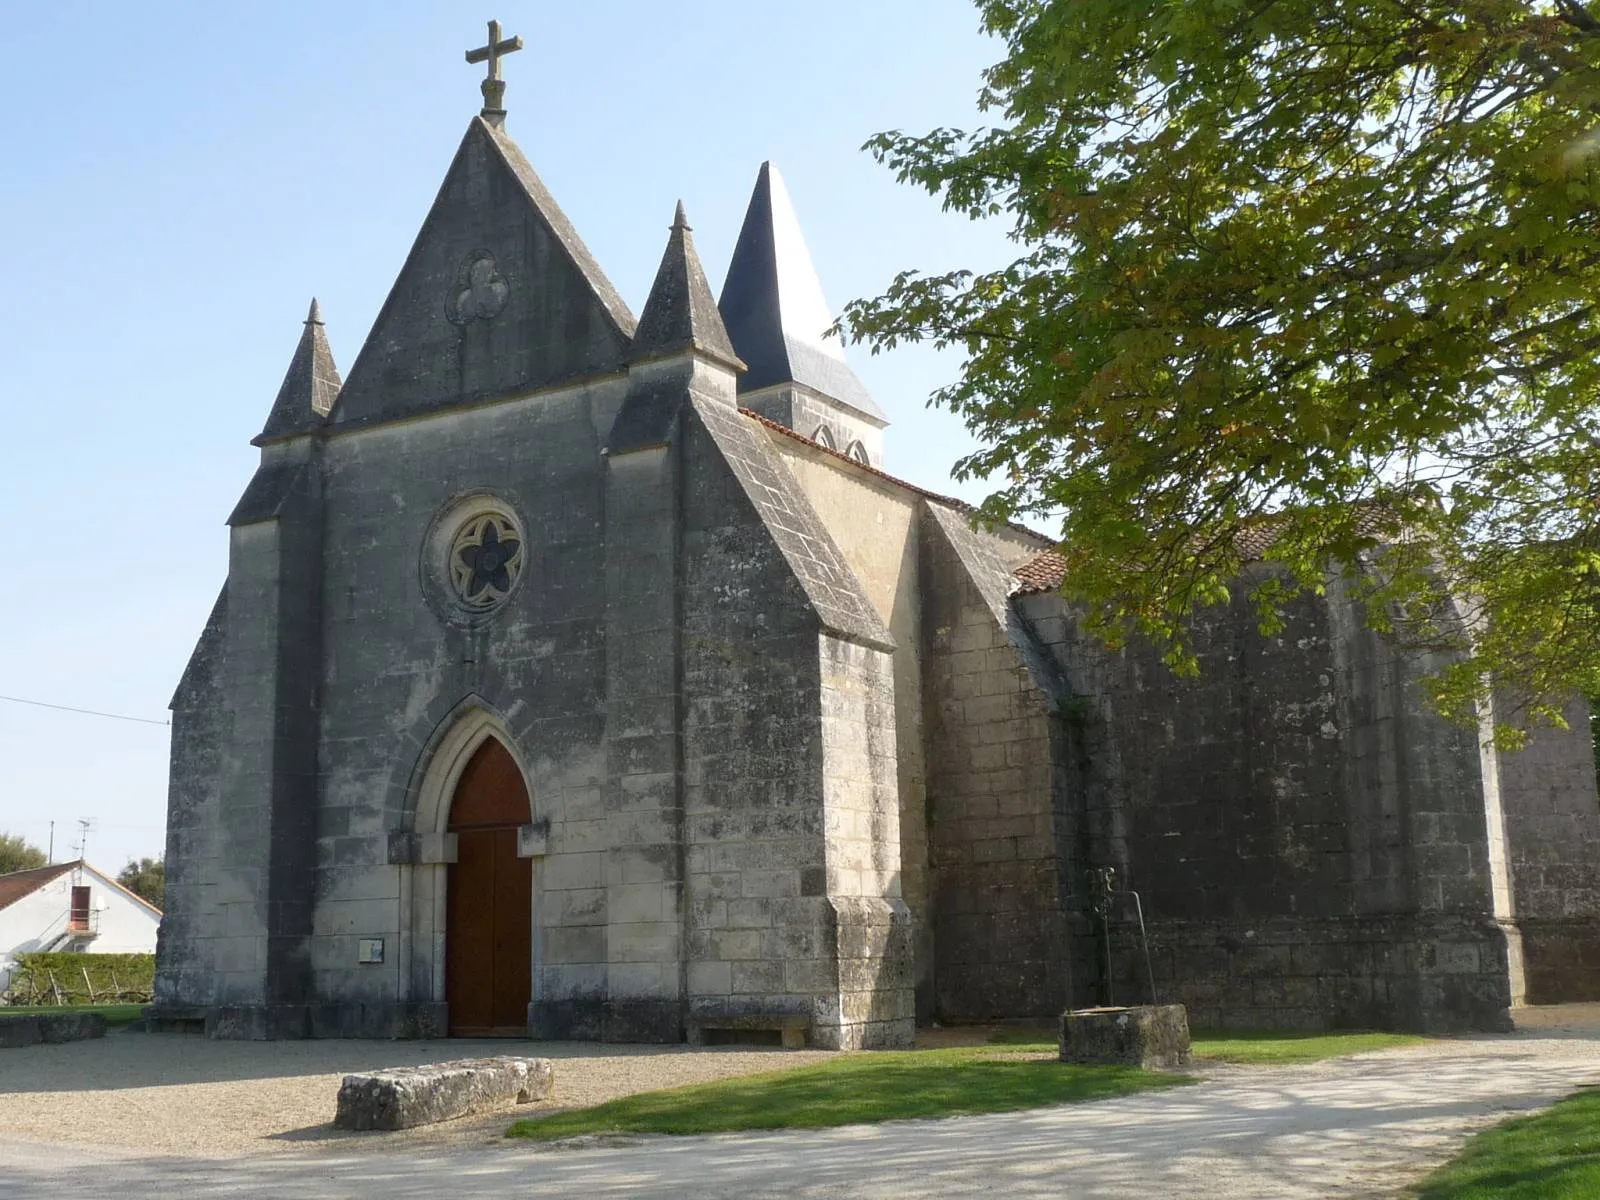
pixel 71 906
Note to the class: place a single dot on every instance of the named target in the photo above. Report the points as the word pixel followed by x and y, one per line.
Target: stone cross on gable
pixel 494 88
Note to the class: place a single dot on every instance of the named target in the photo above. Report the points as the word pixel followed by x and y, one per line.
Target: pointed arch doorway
pixel 489 900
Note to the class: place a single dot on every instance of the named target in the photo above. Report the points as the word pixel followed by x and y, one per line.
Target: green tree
pixel 18 854
pixel 1322 269
pixel 145 878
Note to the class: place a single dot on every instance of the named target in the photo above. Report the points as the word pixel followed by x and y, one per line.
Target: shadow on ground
pixel 1329 1130
pixel 123 1059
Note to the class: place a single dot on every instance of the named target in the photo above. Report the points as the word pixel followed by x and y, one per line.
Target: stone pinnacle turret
pixel 681 313
pixel 309 387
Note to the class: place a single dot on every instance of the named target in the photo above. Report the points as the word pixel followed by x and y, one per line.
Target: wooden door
pixel 489 901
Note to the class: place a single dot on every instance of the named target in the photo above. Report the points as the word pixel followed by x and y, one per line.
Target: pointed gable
pixel 309 387
pixel 681 314
pixel 774 309
pixel 498 296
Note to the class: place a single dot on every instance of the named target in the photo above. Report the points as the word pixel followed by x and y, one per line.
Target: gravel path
pixel 1358 1127
pixel 178 1094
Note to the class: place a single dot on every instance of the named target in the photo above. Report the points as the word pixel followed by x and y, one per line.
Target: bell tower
pixel 776 316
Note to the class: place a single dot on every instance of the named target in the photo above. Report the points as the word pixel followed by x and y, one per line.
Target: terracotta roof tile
pixel 1041 573
pixel 1045 570
pixel 15 886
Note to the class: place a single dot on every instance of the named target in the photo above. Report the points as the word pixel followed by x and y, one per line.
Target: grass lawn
pixel 116 1015
pixel 1256 1048
pixel 852 1089
pixel 1286 1049
pixel 1553 1155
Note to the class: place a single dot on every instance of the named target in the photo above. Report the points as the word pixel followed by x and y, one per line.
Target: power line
pixel 41 822
pixel 87 712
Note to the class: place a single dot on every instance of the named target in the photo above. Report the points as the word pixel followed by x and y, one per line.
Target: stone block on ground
pixel 33 1028
pixel 1152 1036
pixel 404 1097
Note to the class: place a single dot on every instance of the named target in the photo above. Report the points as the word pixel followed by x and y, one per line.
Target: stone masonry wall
pixel 875 523
pixel 190 921
pixel 267 791
pixel 872 926
pixel 790 791
pixel 399 670
pixel 642 897
pixel 759 941
pixel 1420 807
pixel 1310 844
pixel 1000 928
pixel 1552 817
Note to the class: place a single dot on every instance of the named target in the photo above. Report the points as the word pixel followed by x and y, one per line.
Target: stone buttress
pixel 243 808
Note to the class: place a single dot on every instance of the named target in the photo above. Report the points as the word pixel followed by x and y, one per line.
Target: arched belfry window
pixel 824 437
pixel 858 452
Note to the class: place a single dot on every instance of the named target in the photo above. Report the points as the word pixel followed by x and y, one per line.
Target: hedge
pixel 31 982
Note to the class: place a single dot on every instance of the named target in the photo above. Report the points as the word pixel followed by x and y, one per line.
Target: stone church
pixel 583 675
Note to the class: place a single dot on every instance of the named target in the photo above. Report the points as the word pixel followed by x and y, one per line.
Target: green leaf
pixel 1324 264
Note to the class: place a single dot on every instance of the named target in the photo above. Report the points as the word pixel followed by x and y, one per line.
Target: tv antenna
pixel 81 846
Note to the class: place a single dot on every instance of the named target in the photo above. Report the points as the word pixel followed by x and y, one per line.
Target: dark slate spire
pixel 773 306
pixel 681 313
pixel 309 388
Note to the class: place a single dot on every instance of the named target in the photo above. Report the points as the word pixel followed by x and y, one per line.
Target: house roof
pixel 111 881
pixel 20 884
pixel 1041 573
pixel 1046 571
pixel 15 886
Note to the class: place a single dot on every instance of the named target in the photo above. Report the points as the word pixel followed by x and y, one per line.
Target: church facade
pixel 580 675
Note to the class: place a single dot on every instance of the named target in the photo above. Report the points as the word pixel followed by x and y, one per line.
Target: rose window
pixel 485 560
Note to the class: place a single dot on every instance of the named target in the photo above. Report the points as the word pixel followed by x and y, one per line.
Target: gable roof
pixel 498 296
pixel 19 884
pixel 111 882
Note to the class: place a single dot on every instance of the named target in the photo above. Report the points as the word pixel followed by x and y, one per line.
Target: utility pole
pixel 50 854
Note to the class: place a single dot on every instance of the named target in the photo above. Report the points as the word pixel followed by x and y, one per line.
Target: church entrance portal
pixel 489 901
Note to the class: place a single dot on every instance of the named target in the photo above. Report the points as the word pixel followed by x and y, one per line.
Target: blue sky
pixel 180 179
